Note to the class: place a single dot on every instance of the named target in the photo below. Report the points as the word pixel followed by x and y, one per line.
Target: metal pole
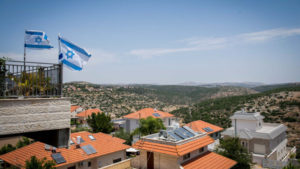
pixel 24 52
pixel 60 68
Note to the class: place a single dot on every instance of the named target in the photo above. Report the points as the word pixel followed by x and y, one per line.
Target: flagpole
pixel 61 66
pixel 24 52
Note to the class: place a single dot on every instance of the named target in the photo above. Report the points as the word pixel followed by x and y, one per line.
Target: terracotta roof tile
pixel 88 112
pixel 73 108
pixel 209 160
pixel 199 125
pixel 176 150
pixel 104 144
pixel 146 112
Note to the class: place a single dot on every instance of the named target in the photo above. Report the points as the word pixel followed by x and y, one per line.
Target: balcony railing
pixel 32 79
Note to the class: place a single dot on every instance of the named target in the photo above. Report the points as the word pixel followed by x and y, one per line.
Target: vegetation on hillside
pixel 124 99
pixel 281 105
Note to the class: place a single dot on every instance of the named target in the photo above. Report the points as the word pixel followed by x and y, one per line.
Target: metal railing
pixel 32 79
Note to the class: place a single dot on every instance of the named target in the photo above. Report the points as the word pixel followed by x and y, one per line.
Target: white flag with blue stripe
pixel 37 40
pixel 71 55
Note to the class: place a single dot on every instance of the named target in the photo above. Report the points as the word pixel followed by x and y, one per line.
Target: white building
pixel 132 119
pixel 263 140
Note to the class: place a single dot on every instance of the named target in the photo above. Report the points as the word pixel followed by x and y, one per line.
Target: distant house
pixel 263 140
pixel 132 119
pixel 83 116
pixel 181 148
pixel 204 127
pixel 87 151
pixel 75 110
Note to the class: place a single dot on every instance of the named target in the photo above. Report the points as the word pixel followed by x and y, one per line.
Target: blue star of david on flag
pixel 69 54
pixel 36 40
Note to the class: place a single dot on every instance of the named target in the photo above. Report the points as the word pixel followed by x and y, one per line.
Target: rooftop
pixel 267 131
pixel 175 142
pixel 148 112
pixel 88 112
pixel 101 144
pixel 209 160
pixel 243 115
pixel 74 107
pixel 202 126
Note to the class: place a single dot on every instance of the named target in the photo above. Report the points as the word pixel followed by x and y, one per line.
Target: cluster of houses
pixel 189 146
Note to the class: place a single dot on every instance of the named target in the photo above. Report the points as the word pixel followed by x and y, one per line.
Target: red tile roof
pixel 209 160
pixel 147 112
pixel 104 144
pixel 175 150
pixel 199 125
pixel 88 112
pixel 73 108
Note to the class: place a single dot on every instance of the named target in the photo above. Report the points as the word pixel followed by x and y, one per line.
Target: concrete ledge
pixel 21 116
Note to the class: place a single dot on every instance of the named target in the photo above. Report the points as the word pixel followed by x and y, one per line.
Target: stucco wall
pixel 34 114
pixel 248 124
pixel 97 162
pixel 161 161
pixel 193 154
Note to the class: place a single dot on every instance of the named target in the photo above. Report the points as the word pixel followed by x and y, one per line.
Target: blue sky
pixel 164 42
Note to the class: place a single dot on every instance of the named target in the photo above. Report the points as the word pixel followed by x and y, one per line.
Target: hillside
pixel 263 88
pixel 119 100
pixel 281 105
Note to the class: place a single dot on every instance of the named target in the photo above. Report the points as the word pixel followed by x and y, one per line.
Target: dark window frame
pixel 117 160
pixel 186 156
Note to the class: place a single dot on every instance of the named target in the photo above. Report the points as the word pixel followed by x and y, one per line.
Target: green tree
pixel 149 125
pixel 124 135
pixel 100 123
pixel 231 148
pixel 7 148
pixel 23 142
pixel 290 166
pixel 35 163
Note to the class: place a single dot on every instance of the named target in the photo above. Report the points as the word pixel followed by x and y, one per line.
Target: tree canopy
pixel 100 123
pixel 35 163
pixel 124 135
pixel 21 143
pixel 231 148
pixel 149 125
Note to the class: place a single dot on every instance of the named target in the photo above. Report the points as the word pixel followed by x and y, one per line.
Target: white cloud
pixel 269 34
pixel 196 44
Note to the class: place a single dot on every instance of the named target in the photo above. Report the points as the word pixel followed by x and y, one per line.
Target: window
pixel 201 150
pixel 80 164
pixel 117 160
pixel 186 156
pixel 89 163
pixel 169 122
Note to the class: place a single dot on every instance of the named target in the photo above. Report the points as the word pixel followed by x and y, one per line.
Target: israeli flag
pixel 36 40
pixel 71 55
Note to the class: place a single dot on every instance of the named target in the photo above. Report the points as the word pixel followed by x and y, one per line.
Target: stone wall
pixel 33 114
